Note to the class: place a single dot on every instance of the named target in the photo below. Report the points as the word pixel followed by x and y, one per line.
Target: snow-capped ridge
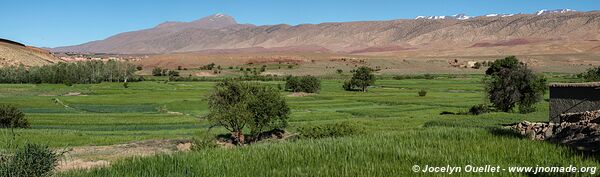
pixel 457 16
pixel 465 17
pixel 544 11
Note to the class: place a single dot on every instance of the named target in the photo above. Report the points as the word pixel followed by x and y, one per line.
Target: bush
pixel 480 109
pixel 157 71
pixel 361 79
pixel 208 66
pixel 591 75
pixel 239 105
pixel 510 83
pixel 173 73
pixel 125 84
pixel 308 84
pixel 11 117
pixel 203 143
pixel 423 92
pixel 340 71
pixel 329 130
pixel 428 76
pixel 30 160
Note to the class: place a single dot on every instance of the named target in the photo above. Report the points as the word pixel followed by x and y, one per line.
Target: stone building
pixel 573 98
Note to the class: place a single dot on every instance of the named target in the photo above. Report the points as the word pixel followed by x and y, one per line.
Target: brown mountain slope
pixel 223 33
pixel 12 54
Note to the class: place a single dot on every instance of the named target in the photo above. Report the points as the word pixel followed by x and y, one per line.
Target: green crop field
pixel 402 129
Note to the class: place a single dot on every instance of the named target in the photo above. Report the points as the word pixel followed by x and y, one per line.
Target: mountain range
pixel 222 32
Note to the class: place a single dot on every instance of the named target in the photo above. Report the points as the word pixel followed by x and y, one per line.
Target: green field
pixel 401 129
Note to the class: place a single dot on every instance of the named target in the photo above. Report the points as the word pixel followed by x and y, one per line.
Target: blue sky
pixel 52 23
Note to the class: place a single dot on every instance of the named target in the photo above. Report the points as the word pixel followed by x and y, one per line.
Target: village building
pixel 573 98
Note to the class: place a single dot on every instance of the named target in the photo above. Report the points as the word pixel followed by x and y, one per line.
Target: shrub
pixel 125 84
pixel 480 109
pixel 428 76
pixel 157 71
pixel 173 73
pixel 329 130
pixel 11 117
pixel 361 79
pixel 68 83
pixel 208 66
pixel 308 84
pixel 422 92
pixel 591 75
pixel 510 83
pixel 203 143
pixel 30 160
pixel 340 71
pixel 239 105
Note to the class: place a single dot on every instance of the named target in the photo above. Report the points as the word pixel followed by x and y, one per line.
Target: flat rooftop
pixel 583 84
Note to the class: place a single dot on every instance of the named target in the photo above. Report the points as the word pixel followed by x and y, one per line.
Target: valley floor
pixel 401 129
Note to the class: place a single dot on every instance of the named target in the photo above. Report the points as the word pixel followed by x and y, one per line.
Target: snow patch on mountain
pixel 465 17
pixel 544 11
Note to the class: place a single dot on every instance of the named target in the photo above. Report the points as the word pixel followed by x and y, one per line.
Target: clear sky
pixel 52 23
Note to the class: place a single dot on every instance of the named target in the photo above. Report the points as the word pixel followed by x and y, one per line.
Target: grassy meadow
pixel 401 129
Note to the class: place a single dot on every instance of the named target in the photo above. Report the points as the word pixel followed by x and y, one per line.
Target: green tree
pixel 361 79
pixel 238 105
pixel 308 84
pixel 511 83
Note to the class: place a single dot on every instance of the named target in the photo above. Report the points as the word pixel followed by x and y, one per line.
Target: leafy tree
pixel 239 105
pixel 11 117
pixel 308 84
pixel 510 83
pixel 361 79
pixel 292 84
pixel 510 62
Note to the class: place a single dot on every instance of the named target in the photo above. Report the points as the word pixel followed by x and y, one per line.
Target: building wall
pixel 572 100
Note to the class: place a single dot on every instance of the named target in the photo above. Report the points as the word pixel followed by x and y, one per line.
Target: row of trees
pixel 84 72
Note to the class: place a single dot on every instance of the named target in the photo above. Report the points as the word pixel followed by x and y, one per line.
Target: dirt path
pixel 85 157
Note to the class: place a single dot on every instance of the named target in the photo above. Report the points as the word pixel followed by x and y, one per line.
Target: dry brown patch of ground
pixel 85 157
pixel 300 94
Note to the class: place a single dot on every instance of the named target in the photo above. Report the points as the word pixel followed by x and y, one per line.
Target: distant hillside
pixel 14 53
pixel 223 32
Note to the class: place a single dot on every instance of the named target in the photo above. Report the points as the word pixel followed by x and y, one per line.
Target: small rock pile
pixel 578 130
pixel 537 131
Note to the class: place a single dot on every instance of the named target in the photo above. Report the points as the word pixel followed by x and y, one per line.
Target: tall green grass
pixel 401 129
